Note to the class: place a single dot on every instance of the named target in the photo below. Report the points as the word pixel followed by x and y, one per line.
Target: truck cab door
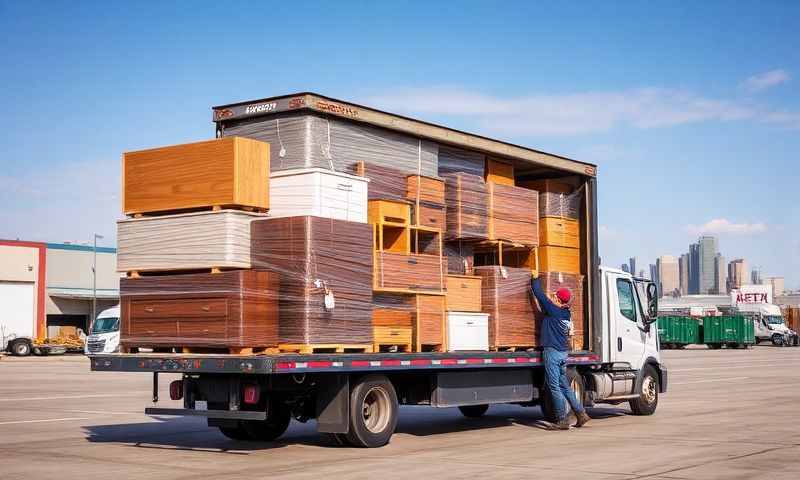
pixel 631 336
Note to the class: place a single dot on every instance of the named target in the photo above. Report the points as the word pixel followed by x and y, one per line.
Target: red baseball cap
pixel 564 295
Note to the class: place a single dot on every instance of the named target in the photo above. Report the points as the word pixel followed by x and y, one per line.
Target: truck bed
pixel 318 363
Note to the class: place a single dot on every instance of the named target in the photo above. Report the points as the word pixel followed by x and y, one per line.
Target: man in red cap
pixel 556 329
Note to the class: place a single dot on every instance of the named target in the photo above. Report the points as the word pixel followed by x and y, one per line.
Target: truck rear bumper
pixel 226 414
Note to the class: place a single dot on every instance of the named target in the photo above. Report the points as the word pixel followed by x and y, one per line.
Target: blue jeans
pixel 555 374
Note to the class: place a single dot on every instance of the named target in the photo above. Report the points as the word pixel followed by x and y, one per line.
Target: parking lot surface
pixel 728 414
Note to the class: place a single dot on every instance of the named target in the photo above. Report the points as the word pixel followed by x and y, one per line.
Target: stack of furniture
pixel 187 243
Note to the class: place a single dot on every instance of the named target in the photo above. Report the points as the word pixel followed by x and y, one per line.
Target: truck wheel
pixel 577 384
pixel 473 411
pixel 278 418
pixel 777 340
pixel 21 348
pixel 648 399
pixel 373 412
pixel 235 433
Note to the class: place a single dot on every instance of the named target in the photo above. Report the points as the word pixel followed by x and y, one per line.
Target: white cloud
pixel 766 80
pixel 575 113
pixel 725 226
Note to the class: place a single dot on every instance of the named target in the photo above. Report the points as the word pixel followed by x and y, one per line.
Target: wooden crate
pixel 395 212
pixel 559 232
pixel 312 255
pixel 430 215
pixel 505 296
pixel 425 189
pixel 547 186
pixel 215 310
pixel 394 336
pixel 226 172
pixel 467 207
pixel 500 172
pixel 429 327
pixel 411 273
pixel 463 293
pixel 559 259
pixel 513 214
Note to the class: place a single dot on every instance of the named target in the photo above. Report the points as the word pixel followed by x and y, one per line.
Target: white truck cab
pixel 104 335
pixel 755 301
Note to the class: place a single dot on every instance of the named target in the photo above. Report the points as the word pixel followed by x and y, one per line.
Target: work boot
pixel 583 419
pixel 562 424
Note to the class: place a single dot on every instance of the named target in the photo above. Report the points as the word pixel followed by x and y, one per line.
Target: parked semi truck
pixel 355 397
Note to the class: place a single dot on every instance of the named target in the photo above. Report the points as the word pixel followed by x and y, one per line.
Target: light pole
pixel 94 279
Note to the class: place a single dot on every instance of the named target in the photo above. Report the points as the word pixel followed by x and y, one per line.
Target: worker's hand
pixel 534 273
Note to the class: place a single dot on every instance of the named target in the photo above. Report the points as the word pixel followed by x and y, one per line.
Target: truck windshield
pixel 105 325
pixel 774 319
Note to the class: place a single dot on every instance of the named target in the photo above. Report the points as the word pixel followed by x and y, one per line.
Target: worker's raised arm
pixel 545 303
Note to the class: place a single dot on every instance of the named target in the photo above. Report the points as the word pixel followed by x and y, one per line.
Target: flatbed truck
pixel 356 397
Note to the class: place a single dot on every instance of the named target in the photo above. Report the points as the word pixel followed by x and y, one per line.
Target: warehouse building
pixel 44 286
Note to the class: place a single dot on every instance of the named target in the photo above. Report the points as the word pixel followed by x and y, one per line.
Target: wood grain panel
pixel 430 320
pixel 463 293
pixel 559 232
pixel 409 272
pixel 467 207
pixel 230 171
pixel 506 297
pixel 430 215
pixel 559 259
pixel 513 214
pixel 427 188
pixel 499 172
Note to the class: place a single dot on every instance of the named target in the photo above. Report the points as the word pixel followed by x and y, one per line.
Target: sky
pixel 691 110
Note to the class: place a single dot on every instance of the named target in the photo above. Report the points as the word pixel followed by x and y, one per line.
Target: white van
pixel 104 335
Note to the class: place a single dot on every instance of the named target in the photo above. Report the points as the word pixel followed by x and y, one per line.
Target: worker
pixel 556 329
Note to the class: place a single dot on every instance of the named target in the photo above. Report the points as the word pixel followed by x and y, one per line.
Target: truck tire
pixel 473 411
pixel 21 348
pixel 373 412
pixel 578 386
pixel 279 416
pixel 648 399
pixel 235 433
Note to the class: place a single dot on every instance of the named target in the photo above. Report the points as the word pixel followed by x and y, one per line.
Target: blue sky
pixel 690 109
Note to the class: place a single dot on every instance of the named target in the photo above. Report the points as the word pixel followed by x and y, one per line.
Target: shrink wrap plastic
pixel 303 140
pixel 186 241
pixel 506 297
pixel 563 205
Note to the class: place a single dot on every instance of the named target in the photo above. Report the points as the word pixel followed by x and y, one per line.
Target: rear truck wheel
pixel 473 411
pixel 373 412
pixel 648 398
pixel 278 418
pixel 21 348
pixel 235 433
pixel 777 340
pixel 578 386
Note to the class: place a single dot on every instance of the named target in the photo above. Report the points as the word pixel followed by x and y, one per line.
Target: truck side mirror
pixel 652 302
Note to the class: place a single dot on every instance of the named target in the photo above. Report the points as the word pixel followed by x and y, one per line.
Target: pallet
pixel 209 208
pixel 393 347
pixel 512 348
pixel 432 348
pixel 155 273
pixel 325 348
pixel 206 350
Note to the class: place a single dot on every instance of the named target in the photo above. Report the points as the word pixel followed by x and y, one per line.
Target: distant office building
pixel 668 275
pixel 632 265
pixel 777 285
pixel 683 274
pixel 625 268
pixel 721 275
pixel 642 274
pixel 654 274
pixel 694 269
pixel 707 273
pixel 737 274
pixel 755 277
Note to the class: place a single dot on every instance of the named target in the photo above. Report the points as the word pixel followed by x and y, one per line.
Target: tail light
pixel 251 394
pixel 176 390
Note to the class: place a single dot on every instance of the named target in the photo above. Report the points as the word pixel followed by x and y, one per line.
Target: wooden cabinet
pixel 513 214
pixel 467 331
pixel 394 336
pixel 559 232
pixel 225 172
pixel 463 293
pixel 499 172
pixel 467 207
pixel 506 297
pixel 430 215
pixel 215 310
pixel 395 212
pixel 425 189
pixel 408 273
pixel 429 331
pixel 559 259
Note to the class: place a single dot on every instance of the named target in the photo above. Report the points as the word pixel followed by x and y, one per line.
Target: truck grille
pixel 96 346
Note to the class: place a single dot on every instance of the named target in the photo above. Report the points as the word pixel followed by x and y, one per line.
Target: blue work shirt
pixel 557 321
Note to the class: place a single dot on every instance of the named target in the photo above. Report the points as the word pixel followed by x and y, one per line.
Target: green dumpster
pixel 731 331
pixel 677 332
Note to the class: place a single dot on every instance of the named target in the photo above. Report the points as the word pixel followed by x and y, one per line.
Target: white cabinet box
pixel 318 192
pixel 467 331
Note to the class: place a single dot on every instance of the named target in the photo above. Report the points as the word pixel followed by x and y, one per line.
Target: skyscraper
pixel 755 276
pixel 683 274
pixel 625 268
pixel 777 285
pixel 654 274
pixel 721 275
pixel 694 268
pixel 707 251
pixel 668 276
pixel 632 264
pixel 737 274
